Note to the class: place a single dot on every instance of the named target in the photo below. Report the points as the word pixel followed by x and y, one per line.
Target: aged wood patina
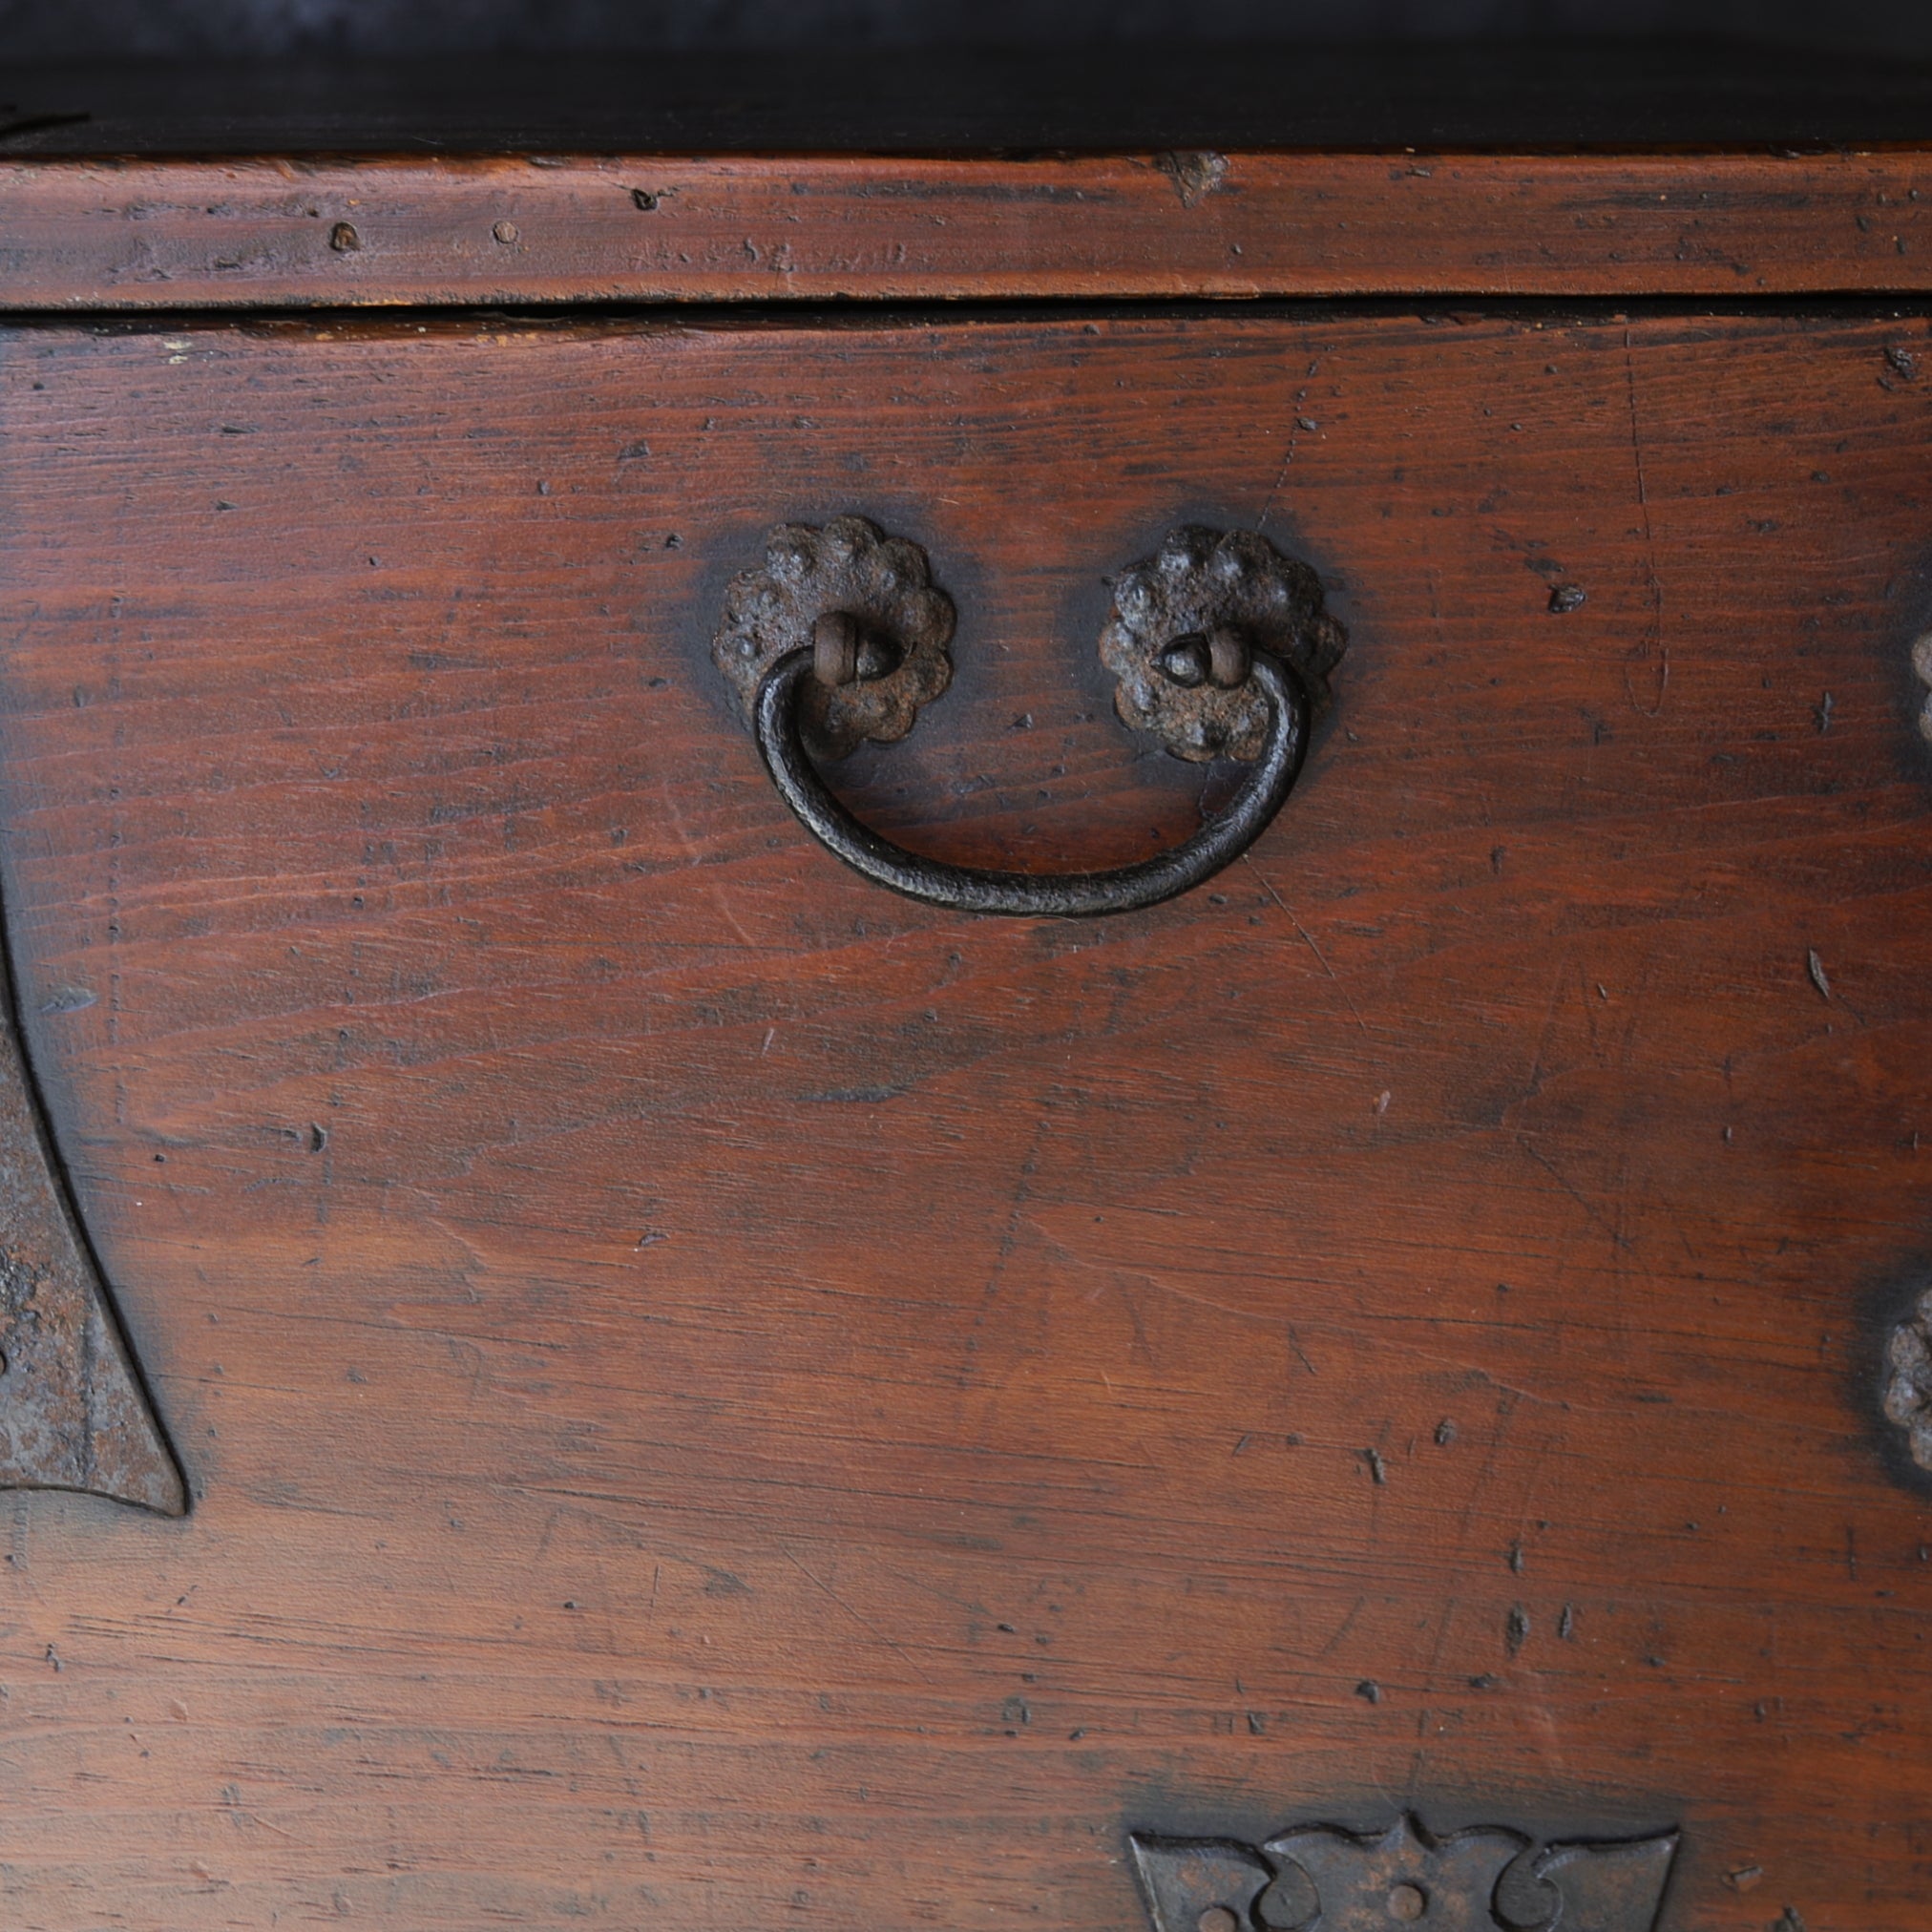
pixel 719 1394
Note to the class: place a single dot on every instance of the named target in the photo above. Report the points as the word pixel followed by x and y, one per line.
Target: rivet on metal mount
pixel 1220 644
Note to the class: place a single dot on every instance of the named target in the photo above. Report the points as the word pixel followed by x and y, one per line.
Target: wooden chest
pixel 591 1363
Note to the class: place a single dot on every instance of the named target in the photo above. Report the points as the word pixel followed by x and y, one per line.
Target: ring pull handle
pixel 1220 645
pixel 1065 895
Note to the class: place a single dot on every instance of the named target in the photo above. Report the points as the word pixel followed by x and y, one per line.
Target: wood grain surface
pixel 673 227
pixel 716 1398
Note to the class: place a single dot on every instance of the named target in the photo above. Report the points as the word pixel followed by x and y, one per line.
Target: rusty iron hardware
pixel 72 1412
pixel 833 592
pixel 1187 623
pixel 1906 1397
pixel 1219 645
pixel 1486 1879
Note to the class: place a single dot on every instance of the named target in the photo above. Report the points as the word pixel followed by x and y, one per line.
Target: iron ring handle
pixel 1064 896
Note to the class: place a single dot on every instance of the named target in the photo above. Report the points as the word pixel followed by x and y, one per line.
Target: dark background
pixel 56 30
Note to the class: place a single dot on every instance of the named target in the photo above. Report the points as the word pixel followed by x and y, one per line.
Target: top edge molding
pixel 284 232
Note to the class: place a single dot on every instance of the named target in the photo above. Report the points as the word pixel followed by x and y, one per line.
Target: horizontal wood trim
pixel 88 235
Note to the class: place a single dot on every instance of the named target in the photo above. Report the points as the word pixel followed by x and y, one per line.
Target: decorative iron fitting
pixel 1185 624
pixel 1321 1879
pixel 73 1413
pixel 1907 1397
pixel 865 605
pixel 842 635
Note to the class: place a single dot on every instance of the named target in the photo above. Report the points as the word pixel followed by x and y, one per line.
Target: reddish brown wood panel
pixel 184 234
pixel 718 1398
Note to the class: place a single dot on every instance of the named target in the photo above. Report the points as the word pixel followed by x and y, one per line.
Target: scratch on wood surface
pixel 864 1623
pixel 1443 1620
pixel 719 886
pixel 1558 982
pixel 1654 642
pixel 1294 423
pixel 1570 1188
pixel 1009 1238
pixel 1307 937
pixel 1347 1623
pixel 1162 1284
